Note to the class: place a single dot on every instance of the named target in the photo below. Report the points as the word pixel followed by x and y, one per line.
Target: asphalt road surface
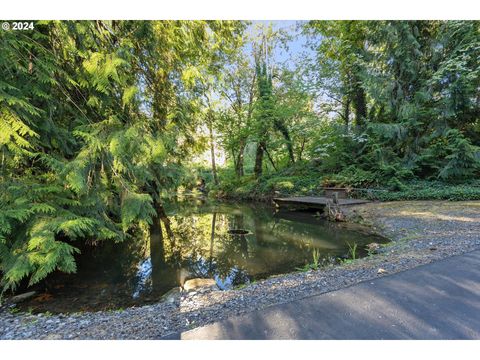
pixel 435 301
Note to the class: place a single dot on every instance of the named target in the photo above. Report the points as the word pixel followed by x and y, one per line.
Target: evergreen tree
pixel 94 123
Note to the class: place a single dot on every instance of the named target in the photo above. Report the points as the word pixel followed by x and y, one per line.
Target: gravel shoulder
pixel 421 232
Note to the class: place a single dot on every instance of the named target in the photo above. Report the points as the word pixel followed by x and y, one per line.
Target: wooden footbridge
pixel 314 202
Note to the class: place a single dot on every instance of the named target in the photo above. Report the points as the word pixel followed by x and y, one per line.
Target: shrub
pixel 429 191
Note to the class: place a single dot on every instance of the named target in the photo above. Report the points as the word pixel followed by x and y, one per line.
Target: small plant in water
pixel 240 287
pixel 304 268
pixel 314 265
pixel 316 259
pixel 14 310
pixel 352 250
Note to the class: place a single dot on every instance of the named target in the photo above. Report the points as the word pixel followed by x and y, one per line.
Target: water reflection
pixel 231 243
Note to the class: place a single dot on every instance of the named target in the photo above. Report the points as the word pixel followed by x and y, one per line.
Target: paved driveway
pixel 434 301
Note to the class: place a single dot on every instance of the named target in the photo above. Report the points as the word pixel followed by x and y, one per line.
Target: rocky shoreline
pixel 421 232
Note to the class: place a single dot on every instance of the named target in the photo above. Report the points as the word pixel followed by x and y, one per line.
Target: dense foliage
pixel 380 104
pixel 100 120
pixel 96 119
pixel 413 87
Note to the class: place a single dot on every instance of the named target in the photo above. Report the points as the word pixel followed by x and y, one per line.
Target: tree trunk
pixel 346 113
pixel 301 150
pixel 157 250
pixel 235 161
pixel 284 131
pixel 212 153
pixel 271 159
pixel 359 103
pixel 166 221
pixel 240 160
pixel 259 159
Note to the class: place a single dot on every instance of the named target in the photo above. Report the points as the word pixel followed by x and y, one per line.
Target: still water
pixel 231 243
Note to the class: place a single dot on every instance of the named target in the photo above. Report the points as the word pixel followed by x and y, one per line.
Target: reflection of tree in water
pixel 163 269
pixel 203 245
pixel 104 279
pixel 207 249
pixel 193 241
pixel 232 256
pixel 241 239
pixel 199 245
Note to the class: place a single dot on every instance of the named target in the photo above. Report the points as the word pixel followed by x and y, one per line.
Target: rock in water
pixel 373 247
pixel 171 295
pixel 22 297
pixel 197 284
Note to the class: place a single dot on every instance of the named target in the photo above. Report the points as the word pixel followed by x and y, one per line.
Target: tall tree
pixel 96 120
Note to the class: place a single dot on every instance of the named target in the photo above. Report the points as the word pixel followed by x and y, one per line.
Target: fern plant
pixel 89 132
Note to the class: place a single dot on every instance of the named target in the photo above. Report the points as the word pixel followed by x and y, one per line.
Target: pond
pixel 232 243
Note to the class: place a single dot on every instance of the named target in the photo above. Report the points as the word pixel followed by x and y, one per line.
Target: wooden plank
pixel 312 201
